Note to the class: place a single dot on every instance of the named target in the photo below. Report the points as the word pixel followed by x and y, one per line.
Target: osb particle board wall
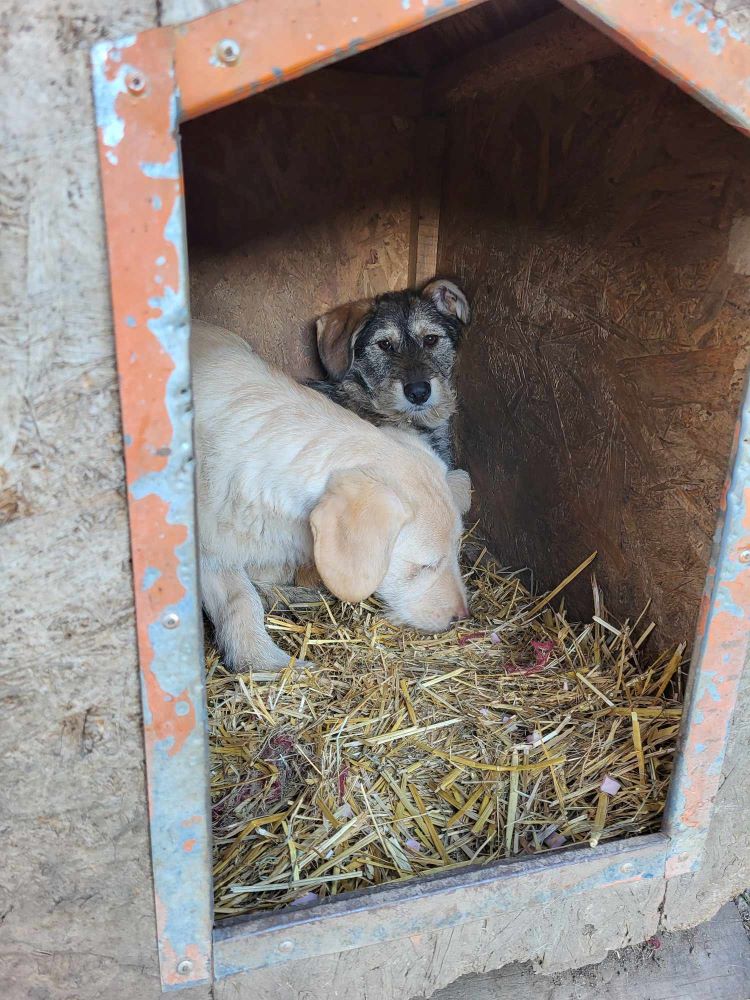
pixel 604 240
pixel 297 201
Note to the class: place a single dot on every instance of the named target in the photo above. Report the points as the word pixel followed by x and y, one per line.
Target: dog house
pixel 597 217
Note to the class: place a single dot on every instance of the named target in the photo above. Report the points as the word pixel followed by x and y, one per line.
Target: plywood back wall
pixel 600 221
pixel 295 206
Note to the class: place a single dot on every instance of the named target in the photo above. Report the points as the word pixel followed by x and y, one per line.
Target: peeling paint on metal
pixel 169 170
pixel 150 575
pixel 433 11
pixel 716 38
pixel 152 330
pixel 107 88
pixel 705 21
pixel 721 649
pixel 277 53
pixel 392 912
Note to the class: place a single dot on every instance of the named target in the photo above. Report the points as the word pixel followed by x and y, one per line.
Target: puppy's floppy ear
pixel 354 529
pixel 449 299
pixel 460 486
pixel 337 333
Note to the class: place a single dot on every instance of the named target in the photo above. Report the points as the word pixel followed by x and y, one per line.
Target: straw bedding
pixel 401 754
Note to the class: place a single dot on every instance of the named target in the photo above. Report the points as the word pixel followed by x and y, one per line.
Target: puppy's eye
pixel 385 345
pixel 430 340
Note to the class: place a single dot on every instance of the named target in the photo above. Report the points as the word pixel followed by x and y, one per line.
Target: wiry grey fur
pixel 373 383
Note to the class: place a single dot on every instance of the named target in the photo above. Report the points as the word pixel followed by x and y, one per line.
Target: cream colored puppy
pixel 287 478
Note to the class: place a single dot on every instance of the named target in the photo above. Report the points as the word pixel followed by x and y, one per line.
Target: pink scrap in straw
pixel 609 786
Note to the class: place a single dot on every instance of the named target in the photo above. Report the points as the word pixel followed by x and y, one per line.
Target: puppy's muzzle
pixel 417 392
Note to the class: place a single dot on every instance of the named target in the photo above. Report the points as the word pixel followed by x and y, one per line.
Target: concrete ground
pixel 709 962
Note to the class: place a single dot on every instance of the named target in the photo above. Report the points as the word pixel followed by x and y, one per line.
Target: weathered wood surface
pixel 177 11
pixel 712 960
pixel 604 243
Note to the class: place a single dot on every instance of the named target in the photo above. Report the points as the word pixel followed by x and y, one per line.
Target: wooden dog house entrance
pixel 596 217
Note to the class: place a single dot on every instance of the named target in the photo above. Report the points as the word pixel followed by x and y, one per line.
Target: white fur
pixel 266 450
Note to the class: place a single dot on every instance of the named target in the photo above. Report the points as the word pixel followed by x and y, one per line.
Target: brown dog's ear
pixel 354 528
pixel 337 333
pixel 448 299
pixel 460 486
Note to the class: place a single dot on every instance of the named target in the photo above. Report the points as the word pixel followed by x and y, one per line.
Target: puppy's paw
pixel 459 483
pixel 277 664
pixel 265 663
pixel 304 665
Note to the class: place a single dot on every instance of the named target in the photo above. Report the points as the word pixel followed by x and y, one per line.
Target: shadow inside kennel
pixel 596 218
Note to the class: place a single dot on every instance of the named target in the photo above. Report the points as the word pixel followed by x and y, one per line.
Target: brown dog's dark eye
pixel 385 345
pixel 430 340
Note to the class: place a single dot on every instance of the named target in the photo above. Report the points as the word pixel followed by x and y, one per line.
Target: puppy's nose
pixel 417 392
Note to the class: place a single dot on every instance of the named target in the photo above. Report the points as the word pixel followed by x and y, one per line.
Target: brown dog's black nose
pixel 417 392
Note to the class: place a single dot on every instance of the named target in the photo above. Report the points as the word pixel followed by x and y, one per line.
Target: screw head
pixel 171 620
pixel 228 51
pixel 185 967
pixel 627 868
pixel 745 556
pixel 286 947
pixel 136 83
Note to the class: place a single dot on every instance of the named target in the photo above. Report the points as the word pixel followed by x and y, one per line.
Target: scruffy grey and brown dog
pixel 390 359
